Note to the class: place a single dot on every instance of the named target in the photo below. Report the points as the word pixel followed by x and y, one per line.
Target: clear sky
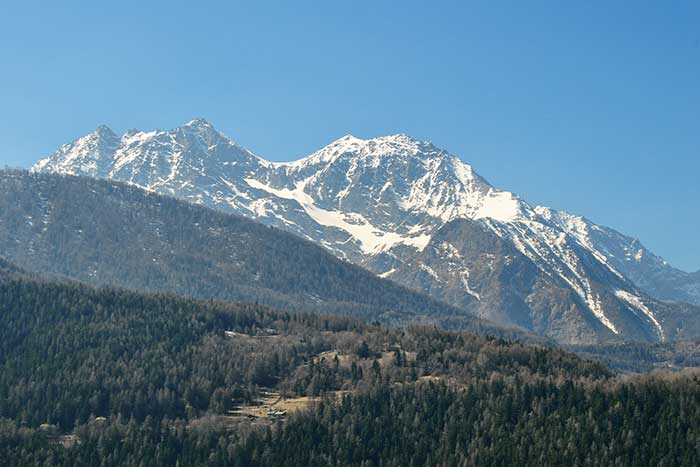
pixel 591 107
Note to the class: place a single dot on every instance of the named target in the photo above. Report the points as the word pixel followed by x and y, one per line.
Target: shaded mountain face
pixel 380 203
pixel 112 234
pixel 469 264
pixel 627 255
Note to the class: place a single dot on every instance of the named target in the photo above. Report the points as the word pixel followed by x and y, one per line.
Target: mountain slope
pixel 469 265
pixel 627 255
pixel 108 233
pixel 379 202
pixel 8 270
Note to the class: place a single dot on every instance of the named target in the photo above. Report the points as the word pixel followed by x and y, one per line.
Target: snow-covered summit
pixel 403 174
pixel 374 149
pixel 88 155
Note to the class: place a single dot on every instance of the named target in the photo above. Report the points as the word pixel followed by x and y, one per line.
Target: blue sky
pixel 591 107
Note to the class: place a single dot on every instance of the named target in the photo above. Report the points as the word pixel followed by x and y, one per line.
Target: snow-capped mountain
pixel 628 256
pixel 410 211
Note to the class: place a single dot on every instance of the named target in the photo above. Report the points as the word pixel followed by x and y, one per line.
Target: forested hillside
pixel 647 421
pixel 638 357
pixel 7 269
pixel 108 233
pixel 69 351
pixel 120 378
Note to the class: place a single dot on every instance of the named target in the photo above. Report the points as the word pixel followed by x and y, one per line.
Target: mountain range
pixel 413 213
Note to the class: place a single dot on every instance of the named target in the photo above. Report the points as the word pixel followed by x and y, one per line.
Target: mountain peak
pixel 389 145
pixel 401 144
pixel 104 130
pixel 403 137
pixel 204 130
pixel 397 138
pixel 347 141
pixel 87 155
pixel 199 123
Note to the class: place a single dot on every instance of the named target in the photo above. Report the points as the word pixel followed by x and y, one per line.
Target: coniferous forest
pixel 110 377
